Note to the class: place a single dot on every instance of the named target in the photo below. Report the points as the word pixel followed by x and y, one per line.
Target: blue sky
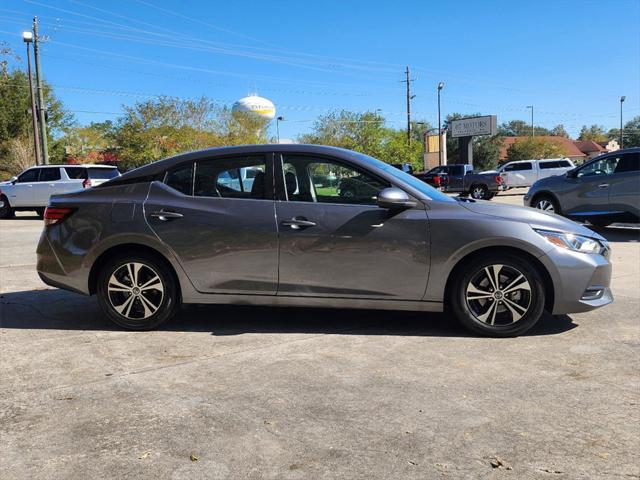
pixel 570 59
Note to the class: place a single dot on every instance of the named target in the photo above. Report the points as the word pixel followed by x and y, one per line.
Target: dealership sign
pixel 473 126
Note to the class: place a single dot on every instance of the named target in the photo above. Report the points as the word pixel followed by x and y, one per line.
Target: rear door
pixel 22 193
pixel 624 189
pixel 46 186
pixel 338 245
pixel 519 174
pixel 223 233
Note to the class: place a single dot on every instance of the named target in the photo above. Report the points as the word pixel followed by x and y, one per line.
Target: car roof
pixel 84 165
pixel 160 166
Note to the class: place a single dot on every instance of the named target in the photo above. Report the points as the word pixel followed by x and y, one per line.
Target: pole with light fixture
pixel 278 120
pixel 42 110
pixel 440 87
pixel 533 132
pixel 622 99
pixel 27 37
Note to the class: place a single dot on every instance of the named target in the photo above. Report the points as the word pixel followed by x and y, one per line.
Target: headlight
pixel 577 243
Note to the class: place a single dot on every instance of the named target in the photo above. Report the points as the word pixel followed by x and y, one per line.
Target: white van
pixel 524 173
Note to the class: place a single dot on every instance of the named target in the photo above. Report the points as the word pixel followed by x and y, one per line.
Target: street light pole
pixel 622 99
pixel 440 87
pixel 533 132
pixel 42 109
pixel 27 37
pixel 278 120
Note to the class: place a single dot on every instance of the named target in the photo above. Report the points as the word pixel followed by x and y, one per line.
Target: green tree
pixel 534 148
pixel 631 132
pixel 559 131
pixel 520 128
pixel 594 132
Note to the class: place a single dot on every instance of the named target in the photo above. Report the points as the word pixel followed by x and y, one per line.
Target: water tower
pixel 257 107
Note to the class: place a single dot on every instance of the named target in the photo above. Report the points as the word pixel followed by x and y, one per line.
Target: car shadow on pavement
pixel 618 234
pixel 52 309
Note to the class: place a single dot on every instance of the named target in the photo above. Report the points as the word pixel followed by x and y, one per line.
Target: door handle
pixel 165 215
pixel 298 223
pixel 603 185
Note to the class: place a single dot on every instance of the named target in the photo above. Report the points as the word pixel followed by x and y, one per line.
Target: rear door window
pixel 546 165
pixel 76 173
pixel 518 167
pixel 103 173
pixel 49 174
pixel 241 177
pixel 629 162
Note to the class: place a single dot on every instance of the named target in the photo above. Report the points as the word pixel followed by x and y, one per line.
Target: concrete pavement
pixel 237 392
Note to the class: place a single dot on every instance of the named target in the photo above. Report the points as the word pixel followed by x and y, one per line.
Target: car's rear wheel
pixel 5 208
pixel 480 192
pixel 547 204
pixel 137 292
pixel 498 295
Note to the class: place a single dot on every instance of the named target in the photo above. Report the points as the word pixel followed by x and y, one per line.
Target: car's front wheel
pixel 137 292
pixel 546 203
pixel 498 295
pixel 5 208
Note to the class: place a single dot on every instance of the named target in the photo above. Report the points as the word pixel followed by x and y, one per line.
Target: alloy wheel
pixel 135 291
pixel 478 193
pixel 498 295
pixel 546 205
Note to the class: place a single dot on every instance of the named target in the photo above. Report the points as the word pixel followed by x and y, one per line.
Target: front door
pixel 22 194
pixel 223 233
pixel 336 242
pixel 588 192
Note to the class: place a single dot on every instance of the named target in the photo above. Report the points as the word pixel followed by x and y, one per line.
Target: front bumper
pixel 581 281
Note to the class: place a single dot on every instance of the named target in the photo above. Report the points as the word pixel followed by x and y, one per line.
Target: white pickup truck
pixel 524 173
pixel 32 188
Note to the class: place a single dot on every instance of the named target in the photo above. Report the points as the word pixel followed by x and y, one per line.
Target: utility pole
pixel 533 132
pixel 622 99
pixel 440 87
pixel 27 37
pixel 409 97
pixel 42 109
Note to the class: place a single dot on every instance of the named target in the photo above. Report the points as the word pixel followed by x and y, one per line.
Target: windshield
pixel 410 180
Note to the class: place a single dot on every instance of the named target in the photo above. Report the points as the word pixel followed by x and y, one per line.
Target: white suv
pixel 32 188
pixel 524 173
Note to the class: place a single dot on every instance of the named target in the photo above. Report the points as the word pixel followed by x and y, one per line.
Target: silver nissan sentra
pixel 314 226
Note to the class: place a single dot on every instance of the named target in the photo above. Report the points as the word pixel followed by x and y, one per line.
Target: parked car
pixel 462 179
pixel 602 191
pixel 148 241
pixel 524 173
pixel 32 188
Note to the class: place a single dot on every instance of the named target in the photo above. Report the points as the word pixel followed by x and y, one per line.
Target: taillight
pixel 86 183
pixel 437 180
pixel 498 179
pixel 55 215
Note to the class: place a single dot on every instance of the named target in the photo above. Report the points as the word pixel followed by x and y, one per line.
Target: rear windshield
pixel 103 173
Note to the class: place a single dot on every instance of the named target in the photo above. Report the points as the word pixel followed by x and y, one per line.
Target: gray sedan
pixel 177 231
pixel 602 191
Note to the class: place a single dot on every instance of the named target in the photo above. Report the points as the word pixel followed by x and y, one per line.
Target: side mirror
pixel 394 198
pixel 13 179
pixel 572 173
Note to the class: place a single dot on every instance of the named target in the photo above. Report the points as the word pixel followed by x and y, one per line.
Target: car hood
pixel 4 184
pixel 535 218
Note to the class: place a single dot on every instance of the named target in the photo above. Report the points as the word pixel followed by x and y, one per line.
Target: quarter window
pixel 76 173
pixel 242 177
pixel 181 179
pixel 311 179
pixel 49 174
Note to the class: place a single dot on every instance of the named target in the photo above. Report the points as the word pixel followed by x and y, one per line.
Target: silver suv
pixel 602 191
pixel 32 188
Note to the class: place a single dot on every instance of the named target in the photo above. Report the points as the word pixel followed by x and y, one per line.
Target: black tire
pixel 135 316
pixel 479 192
pixel 5 210
pixel 348 193
pixel 470 311
pixel 546 203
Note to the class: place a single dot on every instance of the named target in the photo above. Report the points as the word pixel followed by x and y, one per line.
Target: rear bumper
pixel 581 281
pixel 50 269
